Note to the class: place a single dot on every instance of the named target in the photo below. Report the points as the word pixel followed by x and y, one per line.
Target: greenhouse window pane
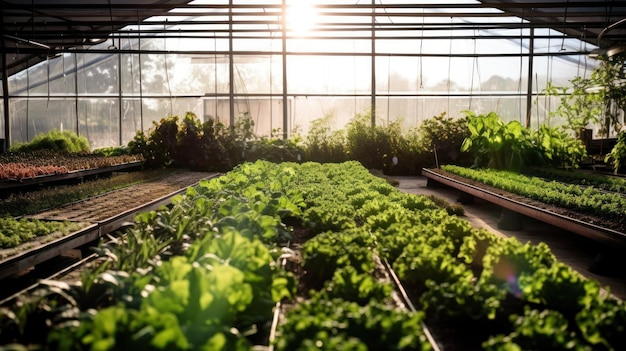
pixel 30 117
pixel 131 119
pixel 258 74
pixel 97 74
pixel 154 109
pixel 62 77
pixel 328 74
pixel 99 121
pixel 131 74
pixel 340 109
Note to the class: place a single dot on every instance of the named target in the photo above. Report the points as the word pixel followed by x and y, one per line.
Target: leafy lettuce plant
pixel 494 143
pixel 558 148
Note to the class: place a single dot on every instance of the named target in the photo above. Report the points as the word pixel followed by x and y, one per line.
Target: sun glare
pixel 301 17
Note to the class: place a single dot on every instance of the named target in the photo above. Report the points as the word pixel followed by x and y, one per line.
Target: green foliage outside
pixel 64 141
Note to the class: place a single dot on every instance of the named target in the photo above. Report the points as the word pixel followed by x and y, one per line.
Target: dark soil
pixel 116 202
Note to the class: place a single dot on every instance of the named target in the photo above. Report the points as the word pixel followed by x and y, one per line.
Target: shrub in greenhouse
pixel 494 143
pixel 618 154
pixel 443 136
pixel 511 146
pixel 323 144
pixel 274 150
pixel 189 143
pixel 197 146
pixel 56 140
pixel 557 148
pixel 373 146
pixel 156 147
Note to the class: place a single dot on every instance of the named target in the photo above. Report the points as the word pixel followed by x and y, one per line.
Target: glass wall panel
pixel 260 44
pixel 18 120
pixel 3 141
pixel 156 108
pixel 32 116
pixel 217 109
pixel 97 74
pixel 131 119
pixel 266 113
pixel 155 74
pixel 310 45
pixel 258 74
pixel 342 110
pixel 204 74
pixel 99 121
pixel 61 76
pixel 328 74
pixel 131 74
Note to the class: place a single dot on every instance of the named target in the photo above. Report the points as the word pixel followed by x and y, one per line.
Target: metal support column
pixel 231 66
pixel 5 100
pixel 284 55
pixel 76 93
pixel 119 92
pixel 529 86
pixel 373 39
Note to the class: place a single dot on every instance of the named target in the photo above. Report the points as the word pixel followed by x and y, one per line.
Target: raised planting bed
pixel 206 272
pixel 567 206
pixel 476 289
pixel 610 183
pixel 91 219
pixel 39 167
pixel 200 273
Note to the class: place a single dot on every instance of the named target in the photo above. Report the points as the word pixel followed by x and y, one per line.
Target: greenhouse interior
pixel 313 175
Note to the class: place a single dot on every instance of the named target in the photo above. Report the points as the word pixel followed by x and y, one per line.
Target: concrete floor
pixel 578 252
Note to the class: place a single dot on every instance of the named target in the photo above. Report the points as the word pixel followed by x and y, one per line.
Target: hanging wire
pixel 28 77
pixel 217 119
pixel 167 74
pixel 385 10
pixel 132 78
pixel 549 63
pixel 388 86
pixel 112 46
pixel 537 104
pixel 271 81
pixel 474 65
pixel 48 81
pixel 421 58
pixel 521 63
pixel 47 72
pixel 140 70
pixel 354 75
pixel 449 64
pixel 27 100
pixel 583 46
pixel 564 26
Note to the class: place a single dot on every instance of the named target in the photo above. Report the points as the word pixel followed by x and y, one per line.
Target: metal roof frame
pixel 35 30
